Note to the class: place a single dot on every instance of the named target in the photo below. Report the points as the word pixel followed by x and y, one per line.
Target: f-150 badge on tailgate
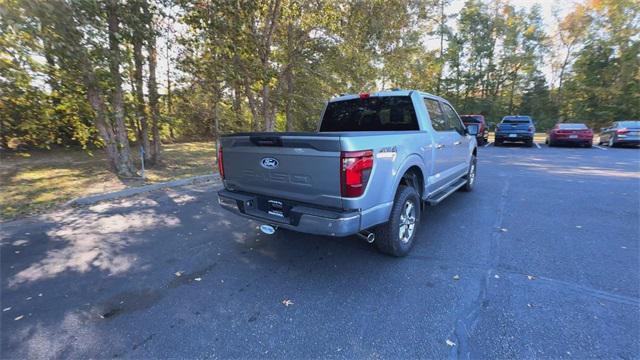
pixel 269 163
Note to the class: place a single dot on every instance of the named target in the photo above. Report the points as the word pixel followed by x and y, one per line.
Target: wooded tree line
pixel 86 72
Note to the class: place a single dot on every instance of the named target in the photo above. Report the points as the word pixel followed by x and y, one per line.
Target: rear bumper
pixel 505 136
pixel 627 140
pixel 300 218
pixel 571 141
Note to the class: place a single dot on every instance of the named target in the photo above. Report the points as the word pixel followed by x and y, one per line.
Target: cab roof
pixel 392 92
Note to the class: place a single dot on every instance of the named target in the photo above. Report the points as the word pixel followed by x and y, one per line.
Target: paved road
pixel 546 250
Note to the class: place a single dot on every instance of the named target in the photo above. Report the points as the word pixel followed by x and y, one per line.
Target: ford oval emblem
pixel 269 163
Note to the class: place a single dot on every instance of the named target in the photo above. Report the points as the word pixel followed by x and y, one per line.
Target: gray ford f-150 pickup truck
pixel 375 160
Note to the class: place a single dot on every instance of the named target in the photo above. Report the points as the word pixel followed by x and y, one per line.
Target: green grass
pixel 36 181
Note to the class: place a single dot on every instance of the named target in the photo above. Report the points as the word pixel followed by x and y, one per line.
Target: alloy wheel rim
pixel 407 221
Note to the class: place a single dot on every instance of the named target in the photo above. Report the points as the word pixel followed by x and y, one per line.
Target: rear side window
pixel 384 113
pixel 438 119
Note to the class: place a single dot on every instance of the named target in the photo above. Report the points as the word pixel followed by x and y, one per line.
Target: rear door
pixel 290 167
pixel 444 138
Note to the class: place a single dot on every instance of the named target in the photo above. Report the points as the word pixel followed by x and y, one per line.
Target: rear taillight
pixel 530 128
pixel 220 161
pixel 622 131
pixel 355 168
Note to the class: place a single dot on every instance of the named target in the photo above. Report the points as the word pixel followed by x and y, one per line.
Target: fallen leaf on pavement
pixel 18 317
pixel 496 276
pixel 503 229
pixel 531 277
pixel 178 273
pixel 6 309
pixel 456 277
pixel 197 279
pixel 450 343
pixel 287 302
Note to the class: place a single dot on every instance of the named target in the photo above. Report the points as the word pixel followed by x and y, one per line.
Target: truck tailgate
pixel 302 168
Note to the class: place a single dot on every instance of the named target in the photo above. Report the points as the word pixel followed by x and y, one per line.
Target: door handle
pixel 457 143
pixel 439 146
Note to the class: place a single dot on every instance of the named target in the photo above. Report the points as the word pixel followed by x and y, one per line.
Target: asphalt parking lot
pixel 541 260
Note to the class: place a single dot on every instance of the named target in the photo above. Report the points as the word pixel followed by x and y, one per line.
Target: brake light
pixel 220 161
pixel 364 96
pixel 622 131
pixel 355 168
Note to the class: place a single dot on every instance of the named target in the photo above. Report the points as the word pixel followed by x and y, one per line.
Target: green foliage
pixel 240 65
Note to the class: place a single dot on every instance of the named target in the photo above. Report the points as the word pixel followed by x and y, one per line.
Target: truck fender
pixel 411 161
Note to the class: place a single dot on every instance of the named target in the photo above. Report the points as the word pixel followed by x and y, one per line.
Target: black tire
pixel 551 143
pixel 388 235
pixel 529 143
pixel 471 180
pixel 588 145
pixel 497 143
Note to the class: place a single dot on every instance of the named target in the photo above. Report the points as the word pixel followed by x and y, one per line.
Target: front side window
pixel 452 117
pixel 438 119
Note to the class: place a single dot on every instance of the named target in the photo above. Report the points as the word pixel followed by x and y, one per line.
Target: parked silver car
pixel 372 164
pixel 626 132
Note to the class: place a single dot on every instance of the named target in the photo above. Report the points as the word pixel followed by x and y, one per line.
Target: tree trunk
pixel 153 100
pixel 124 164
pixel 252 106
pixel 139 91
pixel 288 101
pixel 266 107
pixel 94 95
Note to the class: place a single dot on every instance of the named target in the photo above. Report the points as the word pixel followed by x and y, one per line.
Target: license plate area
pixel 274 207
pixel 573 136
pixel 513 135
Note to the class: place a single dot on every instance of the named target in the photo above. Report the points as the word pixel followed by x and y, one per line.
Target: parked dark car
pixel 515 128
pixel 570 134
pixel 483 131
pixel 626 132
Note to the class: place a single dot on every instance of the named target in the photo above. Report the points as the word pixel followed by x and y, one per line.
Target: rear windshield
pixel 572 126
pixel 516 121
pixel 630 123
pixel 384 113
pixel 471 119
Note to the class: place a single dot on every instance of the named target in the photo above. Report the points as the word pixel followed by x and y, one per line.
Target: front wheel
pixel 397 236
pixel 611 142
pixel 471 175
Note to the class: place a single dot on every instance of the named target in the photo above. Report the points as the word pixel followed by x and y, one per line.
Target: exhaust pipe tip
pixel 268 229
pixel 371 238
pixel 367 236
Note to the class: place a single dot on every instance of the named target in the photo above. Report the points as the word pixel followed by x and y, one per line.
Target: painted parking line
pixel 600 147
pixel 487 144
pixel 538 145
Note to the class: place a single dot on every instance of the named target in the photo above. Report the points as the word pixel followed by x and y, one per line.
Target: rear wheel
pixel 529 143
pixel 397 236
pixel 611 142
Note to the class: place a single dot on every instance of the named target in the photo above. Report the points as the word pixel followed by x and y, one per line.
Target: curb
pixel 90 200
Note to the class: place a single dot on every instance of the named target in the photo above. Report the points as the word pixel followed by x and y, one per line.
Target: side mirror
pixel 472 129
